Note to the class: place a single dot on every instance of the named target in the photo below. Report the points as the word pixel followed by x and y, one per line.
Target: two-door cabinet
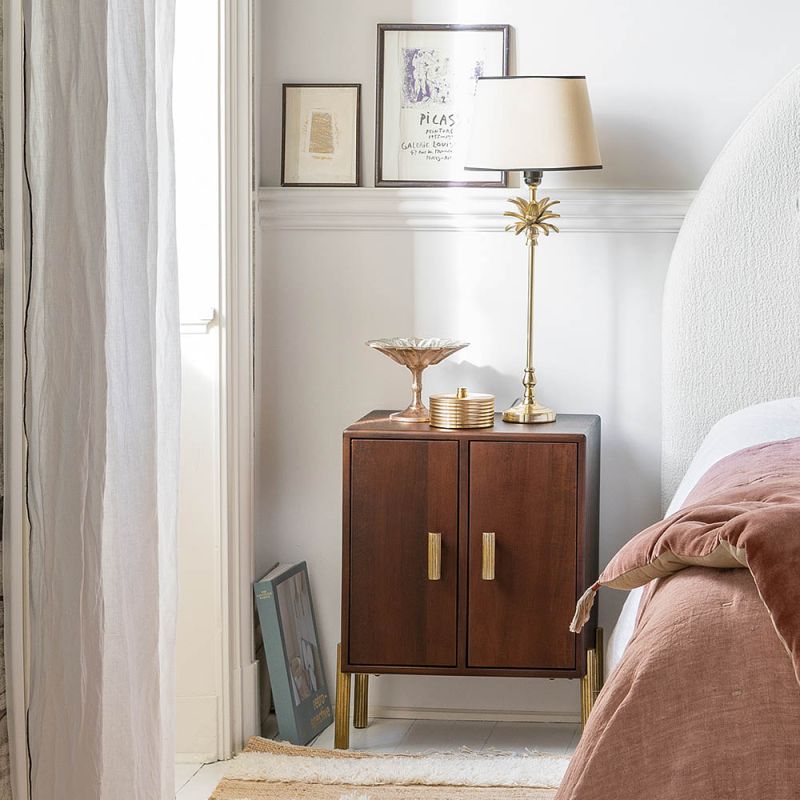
pixel 464 553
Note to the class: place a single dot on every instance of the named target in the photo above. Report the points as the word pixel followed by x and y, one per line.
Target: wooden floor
pixel 197 781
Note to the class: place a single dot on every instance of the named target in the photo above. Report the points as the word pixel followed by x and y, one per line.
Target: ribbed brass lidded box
pixel 463 409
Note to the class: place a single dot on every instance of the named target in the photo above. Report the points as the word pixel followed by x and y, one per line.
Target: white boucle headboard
pixel 731 330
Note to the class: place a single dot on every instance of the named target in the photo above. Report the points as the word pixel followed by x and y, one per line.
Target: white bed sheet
pixel 764 422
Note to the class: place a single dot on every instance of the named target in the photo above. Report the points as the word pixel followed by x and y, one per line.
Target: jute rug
pixel 280 771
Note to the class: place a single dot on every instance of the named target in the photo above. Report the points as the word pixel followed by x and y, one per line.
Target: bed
pixel 701 698
pixel 764 422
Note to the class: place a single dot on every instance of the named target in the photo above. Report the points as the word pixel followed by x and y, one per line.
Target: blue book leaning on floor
pixel 289 630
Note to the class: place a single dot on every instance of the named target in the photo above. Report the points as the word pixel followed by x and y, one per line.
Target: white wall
pixel 669 81
pixel 669 84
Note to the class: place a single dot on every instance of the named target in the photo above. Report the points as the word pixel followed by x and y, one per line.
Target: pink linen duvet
pixel 705 703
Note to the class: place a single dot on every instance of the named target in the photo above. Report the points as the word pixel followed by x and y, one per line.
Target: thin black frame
pixel 357 87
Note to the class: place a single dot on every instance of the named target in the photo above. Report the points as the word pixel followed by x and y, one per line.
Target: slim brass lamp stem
pixel 529 380
pixel 533 218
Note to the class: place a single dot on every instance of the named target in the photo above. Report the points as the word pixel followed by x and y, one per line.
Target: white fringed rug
pixel 280 771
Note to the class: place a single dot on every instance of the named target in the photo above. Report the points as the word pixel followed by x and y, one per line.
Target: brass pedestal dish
pixel 416 354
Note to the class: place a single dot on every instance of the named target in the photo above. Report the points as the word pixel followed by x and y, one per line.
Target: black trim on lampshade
pixel 533 169
pixel 515 77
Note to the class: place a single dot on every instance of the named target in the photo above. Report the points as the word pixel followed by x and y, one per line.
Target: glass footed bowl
pixel 416 354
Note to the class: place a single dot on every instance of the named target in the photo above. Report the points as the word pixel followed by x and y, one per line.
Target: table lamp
pixel 532 124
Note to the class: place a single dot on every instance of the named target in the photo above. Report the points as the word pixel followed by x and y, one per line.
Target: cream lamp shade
pixel 532 123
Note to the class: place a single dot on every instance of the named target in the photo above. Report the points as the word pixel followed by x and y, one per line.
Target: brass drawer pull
pixel 487 569
pixel 434 556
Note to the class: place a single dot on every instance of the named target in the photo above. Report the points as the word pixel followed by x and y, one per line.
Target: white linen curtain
pixel 102 408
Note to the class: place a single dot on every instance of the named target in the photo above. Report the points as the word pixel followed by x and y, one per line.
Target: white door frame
pixel 240 671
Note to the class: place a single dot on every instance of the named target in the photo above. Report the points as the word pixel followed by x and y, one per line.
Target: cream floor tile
pixel 203 782
pixel 430 735
pixel 380 736
pixel 548 737
pixel 183 772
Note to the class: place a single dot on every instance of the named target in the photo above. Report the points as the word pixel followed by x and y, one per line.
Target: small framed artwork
pixel 426 81
pixel 321 144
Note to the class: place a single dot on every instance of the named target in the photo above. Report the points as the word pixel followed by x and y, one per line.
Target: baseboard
pixel 407 712
pixel 197 728
pixel 195 758
pixel 250 701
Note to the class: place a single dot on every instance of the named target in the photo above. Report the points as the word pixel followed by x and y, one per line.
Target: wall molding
pixel 409 712
pixel 239 668
pixel 389 209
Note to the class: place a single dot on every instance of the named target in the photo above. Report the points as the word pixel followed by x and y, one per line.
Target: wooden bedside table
pixel 464 552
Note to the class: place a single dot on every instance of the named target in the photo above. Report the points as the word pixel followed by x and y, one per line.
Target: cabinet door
pixel 399 492
pixel 526 495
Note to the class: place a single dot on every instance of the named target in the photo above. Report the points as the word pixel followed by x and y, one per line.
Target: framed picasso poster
pixel 425 90
pixel 321 134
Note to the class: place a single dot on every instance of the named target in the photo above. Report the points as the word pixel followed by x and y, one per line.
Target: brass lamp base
pixel 528 413
pixel 533 218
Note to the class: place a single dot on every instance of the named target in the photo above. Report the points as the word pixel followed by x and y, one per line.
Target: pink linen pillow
pixel 744 513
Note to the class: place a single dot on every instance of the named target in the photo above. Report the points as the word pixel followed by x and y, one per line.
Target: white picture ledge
pixel 384 209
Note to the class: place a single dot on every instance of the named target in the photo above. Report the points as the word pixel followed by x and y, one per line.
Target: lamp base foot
pixel 529 413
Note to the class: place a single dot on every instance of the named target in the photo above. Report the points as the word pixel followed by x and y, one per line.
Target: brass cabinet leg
pixel 600 654
pixel 592 682
pixel 360 718
pixel 341 731
pixel 585 698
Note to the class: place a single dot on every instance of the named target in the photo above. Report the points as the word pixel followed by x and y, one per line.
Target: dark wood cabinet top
pixel 566 426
